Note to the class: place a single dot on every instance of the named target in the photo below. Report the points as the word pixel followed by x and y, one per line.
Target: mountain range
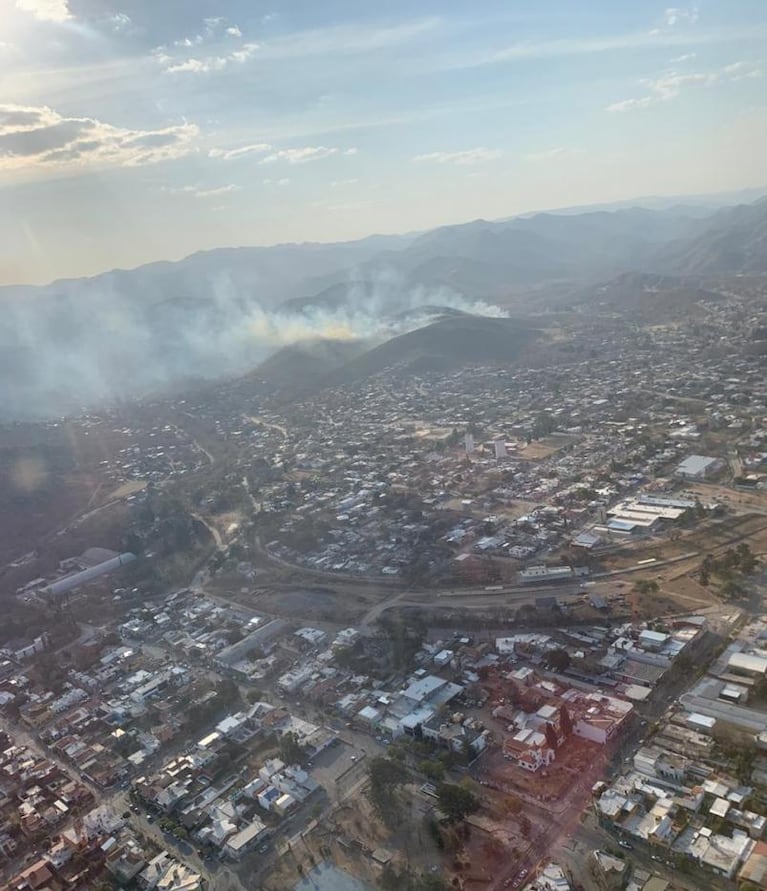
pixel 80 342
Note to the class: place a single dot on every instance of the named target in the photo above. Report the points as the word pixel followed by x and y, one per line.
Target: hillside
pixel 86 342
pixel 295 369
pixel 494 260
pixel 449 343
pixel 651 296
pixel 733 241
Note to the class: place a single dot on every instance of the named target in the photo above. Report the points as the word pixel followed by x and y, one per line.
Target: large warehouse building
pixel 70 582
pixel 697 467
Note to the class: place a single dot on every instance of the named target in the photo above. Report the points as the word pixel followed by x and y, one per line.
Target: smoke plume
pixel 67 349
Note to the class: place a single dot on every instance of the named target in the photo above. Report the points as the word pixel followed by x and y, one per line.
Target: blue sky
pixel 139 130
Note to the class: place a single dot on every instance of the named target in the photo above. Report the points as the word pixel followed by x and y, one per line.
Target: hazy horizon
pixel 705 199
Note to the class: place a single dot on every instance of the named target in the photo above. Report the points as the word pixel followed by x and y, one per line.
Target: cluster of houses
pixel 534 737
pixel 225 807
pixel 151 453
pixel 695 789
pixel 371 475
pixel 74 843
pixel 100 848
pixel 37 796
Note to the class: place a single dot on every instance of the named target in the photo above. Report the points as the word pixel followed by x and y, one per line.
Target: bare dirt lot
pixel 124 490
pixel 349 835
pixel 343 604
pixel 544 448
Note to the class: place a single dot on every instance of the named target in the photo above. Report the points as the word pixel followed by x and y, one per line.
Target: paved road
pixel 589 837
pixel 216 535
pixel 257 419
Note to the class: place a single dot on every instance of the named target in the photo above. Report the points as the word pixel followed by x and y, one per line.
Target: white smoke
pixel 74 348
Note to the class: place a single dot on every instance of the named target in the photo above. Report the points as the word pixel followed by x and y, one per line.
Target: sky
pixel 140 130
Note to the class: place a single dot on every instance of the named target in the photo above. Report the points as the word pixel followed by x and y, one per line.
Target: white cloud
pixel 219 190
pixel 671 84
pixel 339 39
pixel 742 71
pixel 215 28
pixel 197 66
pixel 120 22
pixel 186 42
pixel 39 137
pixel 244 52
pixel 466 157
pixel 208 63
pixel 300 155
pixel 608 43
pixel 46 10
pixel 259 148
pixel 336 183
pixel 351 151
pixel 632 104
pixel 674 15
pixel 662 90
pixel 551 154
pixel 685 57
pixel 277 182
pixel 199 192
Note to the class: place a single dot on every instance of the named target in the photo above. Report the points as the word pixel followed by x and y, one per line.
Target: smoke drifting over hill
pixel 129 333
pixel 62 352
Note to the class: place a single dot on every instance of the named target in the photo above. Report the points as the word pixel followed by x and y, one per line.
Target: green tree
pixel 558 660
pixel 456 802
pixel 551 735
pixel 565 722
pixel 746 560
pixel 432 770
pixel 386 776
pixel 433 828
pixel 290 751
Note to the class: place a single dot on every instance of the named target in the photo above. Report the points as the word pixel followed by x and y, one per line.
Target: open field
pixel 125 490
pixel 544 448
pixel 709 538
pixel 340 603
pixel 734 498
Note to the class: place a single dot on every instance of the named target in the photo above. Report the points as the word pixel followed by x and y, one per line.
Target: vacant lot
pixel 544 448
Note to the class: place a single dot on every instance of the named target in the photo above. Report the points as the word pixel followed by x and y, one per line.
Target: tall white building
pixel 500 448
pixel 468 441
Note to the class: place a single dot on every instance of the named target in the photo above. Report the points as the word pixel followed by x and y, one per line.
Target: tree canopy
pixel 456 802
pixel 386 776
